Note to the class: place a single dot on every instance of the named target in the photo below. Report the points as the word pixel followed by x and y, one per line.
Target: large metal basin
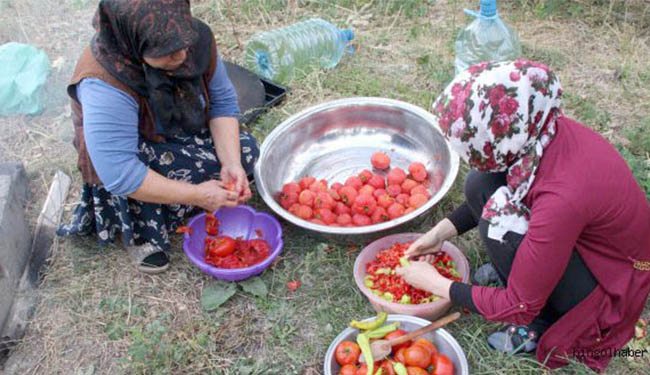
pixel 335 139
pixel 442 339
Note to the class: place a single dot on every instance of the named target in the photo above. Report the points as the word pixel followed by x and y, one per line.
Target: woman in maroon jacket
pixel 564 222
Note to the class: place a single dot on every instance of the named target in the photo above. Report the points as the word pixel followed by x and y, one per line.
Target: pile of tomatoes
pixel 420 357
pixel 364 199
pixel 228 252
pixel 382 279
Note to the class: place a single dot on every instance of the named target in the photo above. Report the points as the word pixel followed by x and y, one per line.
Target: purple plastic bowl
pixel 241 221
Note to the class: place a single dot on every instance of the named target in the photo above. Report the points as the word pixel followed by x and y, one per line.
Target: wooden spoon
pixel 382 348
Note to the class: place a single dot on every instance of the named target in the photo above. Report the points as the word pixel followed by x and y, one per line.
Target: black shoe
pixel 485 275
pixel 514 340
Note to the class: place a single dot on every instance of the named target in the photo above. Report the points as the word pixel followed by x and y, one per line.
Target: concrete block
pixel 15 238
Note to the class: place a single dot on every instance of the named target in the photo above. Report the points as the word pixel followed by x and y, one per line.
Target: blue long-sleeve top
pixel 110 118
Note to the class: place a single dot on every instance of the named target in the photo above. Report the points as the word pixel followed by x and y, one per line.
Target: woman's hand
pixel 235 174
pixel 426 244
pixel 211 194
pixel 431 241
pixel 423 275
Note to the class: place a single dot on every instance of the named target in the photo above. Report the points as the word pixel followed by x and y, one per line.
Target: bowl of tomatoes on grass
pixel 354 168
pixel 433 353
pixel 232 243
pixel 374 274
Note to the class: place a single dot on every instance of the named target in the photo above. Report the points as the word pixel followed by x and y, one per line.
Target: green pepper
pixel 388 296
pixel 404 261
pixel 385 271
pixel 380 332
pixel 367 281
pixel 380 371
pixel 364 344
pixel 377 292
pixel 406 299
pixel 400 369
pixel 379 320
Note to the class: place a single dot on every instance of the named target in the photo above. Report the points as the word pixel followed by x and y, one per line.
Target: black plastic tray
pixel 246 84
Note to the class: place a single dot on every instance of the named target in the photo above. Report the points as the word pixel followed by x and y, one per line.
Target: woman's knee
pixel 479 186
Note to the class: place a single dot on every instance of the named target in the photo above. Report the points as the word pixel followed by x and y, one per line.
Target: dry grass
pixel 99 316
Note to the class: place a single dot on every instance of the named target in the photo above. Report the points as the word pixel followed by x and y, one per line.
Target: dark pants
pixel 577 281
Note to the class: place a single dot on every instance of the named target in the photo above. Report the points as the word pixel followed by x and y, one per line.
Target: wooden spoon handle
pixel 433 326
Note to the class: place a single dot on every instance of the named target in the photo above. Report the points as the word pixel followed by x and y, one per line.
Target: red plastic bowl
pixel 241 221
pixel 429 311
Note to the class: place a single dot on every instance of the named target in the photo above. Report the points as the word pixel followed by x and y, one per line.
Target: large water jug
pixel 315 43
pixel 487 38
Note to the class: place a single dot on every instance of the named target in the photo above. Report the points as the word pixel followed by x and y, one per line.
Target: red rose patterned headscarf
pixel 499 117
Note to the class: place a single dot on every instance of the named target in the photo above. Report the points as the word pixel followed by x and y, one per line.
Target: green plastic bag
pixel 23 72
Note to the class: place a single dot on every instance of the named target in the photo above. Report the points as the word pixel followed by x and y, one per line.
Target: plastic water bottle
pixel 487 38
pixel 277 54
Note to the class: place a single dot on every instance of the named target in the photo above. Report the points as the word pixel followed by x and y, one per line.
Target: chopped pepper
pixel 388 296
pixel 367 281
pixel 404 261
pixel 400 369
pixel 372 324
pixel 406 299
pixel 364 344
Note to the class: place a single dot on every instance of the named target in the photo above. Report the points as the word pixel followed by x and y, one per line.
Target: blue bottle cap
pixel 347 34
pixel 488 8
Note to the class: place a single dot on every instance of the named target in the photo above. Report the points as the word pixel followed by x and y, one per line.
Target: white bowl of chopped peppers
pixel 374 273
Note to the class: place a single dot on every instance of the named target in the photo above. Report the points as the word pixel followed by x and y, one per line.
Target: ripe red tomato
pixel 306 181
pixel 418 171
pixel 402 199
pixel 334 194
pixel 414 370
pixel 420 189
pixel 415 355
pixel 365 204
pixel 385 201
pixel 354 181
pixel 323 200
pixel 443 366
pixel 396 334
pixel 367 189
pixel 379 216
pixel 417 200
pixel 336 186
pixel 295 208
pixel 399 355
pixel 348 195
pixel 377 182
pixel 394 190
pixel 306 198
pixel 325 215
pixel 380 160
pixel 395 210
pixel 287 200
pixel 344 219
pixel 407 185
pixel 378 193
pixel 318 186
pixel 293 285
pixel 396 176
pixel 305 212
pixel 222 246
pixel 347 353
pixel 428 345
pixel 365 175
pixel 348 370
pixel 363 369
pixel 341 208
pixel 361 220
pixel 291 188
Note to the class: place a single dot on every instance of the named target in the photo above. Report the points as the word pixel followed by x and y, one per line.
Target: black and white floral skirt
pixel 184 158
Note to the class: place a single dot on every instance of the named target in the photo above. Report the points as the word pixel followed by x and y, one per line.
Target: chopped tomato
pixel 293 285
pixel 211 224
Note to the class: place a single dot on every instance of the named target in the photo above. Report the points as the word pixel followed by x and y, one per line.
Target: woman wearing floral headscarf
pixel 562 219
pixel 156 124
